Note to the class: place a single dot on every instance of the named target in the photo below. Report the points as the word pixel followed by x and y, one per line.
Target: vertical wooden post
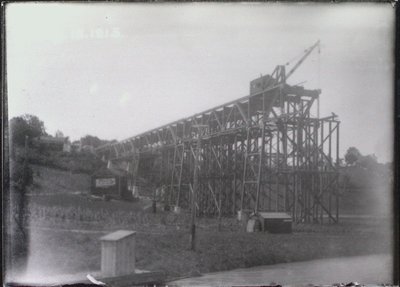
pixel 193 205
pixel 337 166
pixel 154 203
pixel 195 190
pixel 23 194
pixel 261 163
pixel 19 233
pixel 234 176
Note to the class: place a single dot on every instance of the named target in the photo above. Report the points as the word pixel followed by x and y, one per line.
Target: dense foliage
pixel 85 162
pixel 365 171
pixel 32 127
pixel 21 175
pixel 94 141
pixel 352 156
pixel 26 125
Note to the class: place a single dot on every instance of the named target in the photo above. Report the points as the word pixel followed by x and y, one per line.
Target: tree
pixel 91 141
pixel 352 156
pixel 59 134
pixel 21 177
pixel 369 162
pixel 26 125
pixel 94 141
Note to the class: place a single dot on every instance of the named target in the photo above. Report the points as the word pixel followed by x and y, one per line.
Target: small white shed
pixel 118 253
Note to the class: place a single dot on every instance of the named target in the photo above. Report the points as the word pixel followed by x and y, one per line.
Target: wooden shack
pixel 110 183
pixel 118 253
pixel 275 222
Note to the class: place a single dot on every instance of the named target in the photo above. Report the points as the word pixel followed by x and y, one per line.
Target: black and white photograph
pixel 198 144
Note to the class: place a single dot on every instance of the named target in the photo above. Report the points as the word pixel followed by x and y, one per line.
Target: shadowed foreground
pixel 369 269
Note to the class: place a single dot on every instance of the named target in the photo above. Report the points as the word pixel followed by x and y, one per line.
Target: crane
pixel 279 75
pixel 306 54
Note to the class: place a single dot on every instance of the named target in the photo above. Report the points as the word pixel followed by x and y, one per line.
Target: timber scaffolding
pixel 262 152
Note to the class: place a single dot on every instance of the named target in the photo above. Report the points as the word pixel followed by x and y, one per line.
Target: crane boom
pixel 307 52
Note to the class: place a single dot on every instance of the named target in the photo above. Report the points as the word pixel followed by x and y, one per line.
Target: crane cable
pixel 301 55
pixel 319 76
pixel 295 58
pixel 318 70
pixel 319 66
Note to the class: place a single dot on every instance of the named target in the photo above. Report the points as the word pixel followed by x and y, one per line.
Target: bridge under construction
pixel 268 151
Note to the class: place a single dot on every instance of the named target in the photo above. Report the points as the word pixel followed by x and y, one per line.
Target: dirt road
pixel 370 269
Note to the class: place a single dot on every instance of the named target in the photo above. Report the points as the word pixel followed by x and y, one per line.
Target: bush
pixel 75 162
pixel 21 175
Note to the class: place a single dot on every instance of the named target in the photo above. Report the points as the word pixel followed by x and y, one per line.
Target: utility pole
pixel 22 236
pixel 23 193
pixel 200 129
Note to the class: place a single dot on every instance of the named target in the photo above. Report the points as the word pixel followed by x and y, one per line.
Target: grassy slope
pixel 168 250
pixel 163 240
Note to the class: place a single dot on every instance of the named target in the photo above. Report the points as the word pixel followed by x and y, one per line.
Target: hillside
pixel 82 162
pixel 55 189
pixel 366 191
pixel 66 225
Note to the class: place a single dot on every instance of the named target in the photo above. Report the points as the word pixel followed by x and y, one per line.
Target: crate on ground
pixel 276 222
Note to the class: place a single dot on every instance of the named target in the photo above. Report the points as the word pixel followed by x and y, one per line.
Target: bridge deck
pixel 265 151
pixel 226 119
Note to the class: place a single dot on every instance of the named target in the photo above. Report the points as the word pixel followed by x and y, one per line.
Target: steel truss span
pixel 263 152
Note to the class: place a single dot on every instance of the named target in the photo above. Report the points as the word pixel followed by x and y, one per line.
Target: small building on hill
pixel 87 148
pixel 110 183
pixel 53 143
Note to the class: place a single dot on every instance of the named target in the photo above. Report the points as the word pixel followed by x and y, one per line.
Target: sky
pixel 114 70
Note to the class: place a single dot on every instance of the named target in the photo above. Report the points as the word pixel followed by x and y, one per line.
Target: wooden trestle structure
pixel 262 152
